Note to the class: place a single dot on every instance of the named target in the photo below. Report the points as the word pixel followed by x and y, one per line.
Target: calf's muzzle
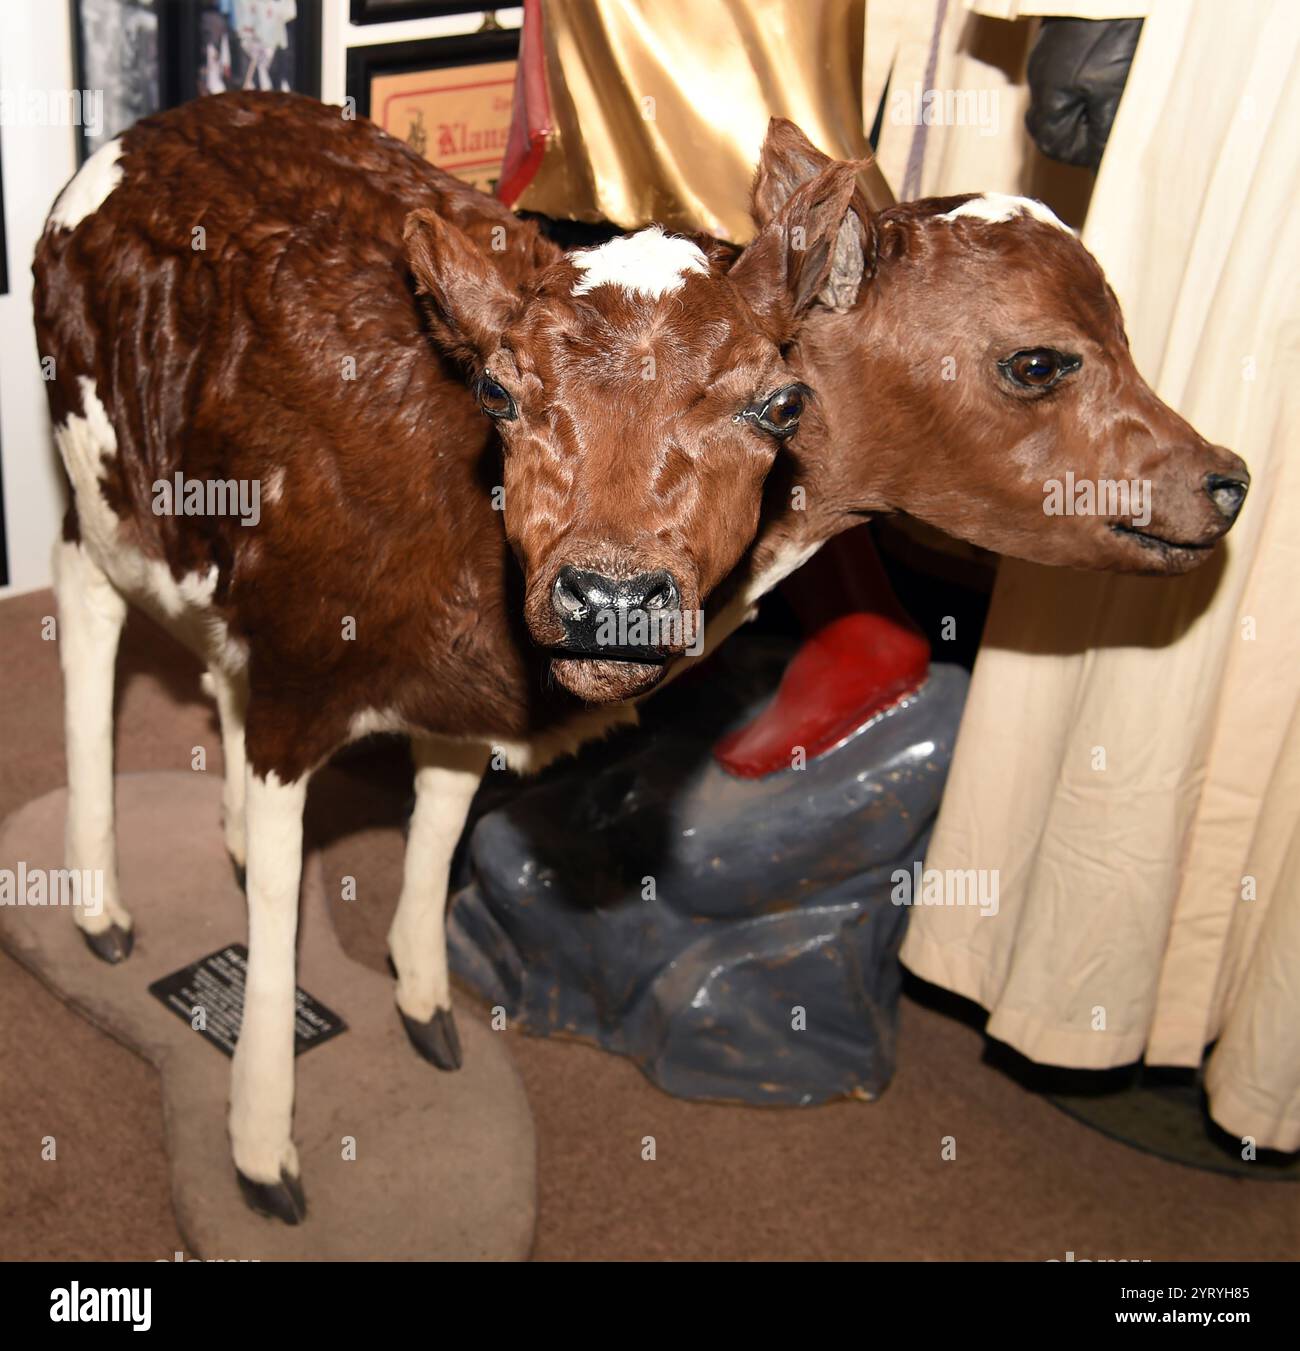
pixel 616 618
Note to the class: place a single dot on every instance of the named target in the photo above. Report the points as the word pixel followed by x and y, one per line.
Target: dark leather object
pixel 1077 72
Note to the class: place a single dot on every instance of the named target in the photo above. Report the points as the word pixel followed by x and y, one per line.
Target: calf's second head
pixel 641 394
pixel 982 381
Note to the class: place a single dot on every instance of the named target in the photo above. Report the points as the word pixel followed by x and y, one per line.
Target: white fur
pixel 91 615
pixel 261 1090
pixel 89 188
pixel 87 444
pixel 1000 206
pixel 743 606
pixel 447 776
pixel 231 694
pixel 372 720
pixel 566 738
pixel 789 558
pixel 648 263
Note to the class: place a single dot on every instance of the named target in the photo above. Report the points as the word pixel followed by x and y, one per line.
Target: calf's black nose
pixel 1227 493
pixel 613 617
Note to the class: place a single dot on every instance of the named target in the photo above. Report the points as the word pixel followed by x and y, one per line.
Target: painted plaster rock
pixel 735 937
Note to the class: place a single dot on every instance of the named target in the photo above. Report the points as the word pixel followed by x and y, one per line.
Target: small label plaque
pixel 215 985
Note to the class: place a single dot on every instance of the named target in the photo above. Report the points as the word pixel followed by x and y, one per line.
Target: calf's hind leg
pixel 446 777
pixel 91 615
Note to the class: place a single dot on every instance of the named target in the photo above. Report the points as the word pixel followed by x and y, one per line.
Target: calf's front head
pixel 641 394
pixel 983 383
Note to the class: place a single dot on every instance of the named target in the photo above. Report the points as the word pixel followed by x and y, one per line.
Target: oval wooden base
pixel 444 1163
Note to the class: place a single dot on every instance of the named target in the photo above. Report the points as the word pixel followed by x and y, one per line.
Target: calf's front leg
pixel 262 1078
pixel 447 774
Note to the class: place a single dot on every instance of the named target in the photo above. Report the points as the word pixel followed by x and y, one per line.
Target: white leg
pixel 447 775
pixel 261 1094
pixel 231 694
pixel 91 615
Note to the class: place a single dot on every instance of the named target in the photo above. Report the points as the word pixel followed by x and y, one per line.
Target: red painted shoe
pixel 847 672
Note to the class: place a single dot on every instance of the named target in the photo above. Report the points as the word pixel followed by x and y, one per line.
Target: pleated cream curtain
pixel 1129 759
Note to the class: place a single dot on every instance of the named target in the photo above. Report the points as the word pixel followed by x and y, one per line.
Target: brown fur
pixel 971 453
pixel 227 363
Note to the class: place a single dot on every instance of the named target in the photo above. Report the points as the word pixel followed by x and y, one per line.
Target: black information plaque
pixel 215 984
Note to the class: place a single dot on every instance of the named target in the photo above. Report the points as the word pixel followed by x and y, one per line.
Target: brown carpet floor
pixel 851 1180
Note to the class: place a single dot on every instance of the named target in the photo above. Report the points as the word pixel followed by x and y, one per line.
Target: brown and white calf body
pixel 232 292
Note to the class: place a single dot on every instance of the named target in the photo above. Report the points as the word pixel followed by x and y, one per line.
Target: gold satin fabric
pixel 659 107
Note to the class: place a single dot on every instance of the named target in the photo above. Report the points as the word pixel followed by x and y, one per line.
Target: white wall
pixel 36 54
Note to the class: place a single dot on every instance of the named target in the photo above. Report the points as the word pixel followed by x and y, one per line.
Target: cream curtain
pixel 978 48
pixel 1129 760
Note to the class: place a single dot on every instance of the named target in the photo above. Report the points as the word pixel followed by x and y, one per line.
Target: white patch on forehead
pixel 999 206
pixel 648 263
pixel 89 188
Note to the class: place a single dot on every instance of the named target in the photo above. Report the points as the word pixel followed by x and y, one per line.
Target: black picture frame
pixel 4 258
pixel 83 78
pixel 398 58
pixel 393 11
pixel 176 77
pixel 181 37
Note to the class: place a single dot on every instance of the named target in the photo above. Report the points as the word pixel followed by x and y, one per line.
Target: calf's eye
pixel 1038 367
pixel 779 413
pixel 494 399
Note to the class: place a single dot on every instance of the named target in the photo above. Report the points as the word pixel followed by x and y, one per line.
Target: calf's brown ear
pixel 787 161
pixel 810 250
pixel 787 164
pixel 471 300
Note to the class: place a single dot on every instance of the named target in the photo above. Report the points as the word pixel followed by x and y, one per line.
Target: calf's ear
pixel 810 251
pixel 471 300
pixel 784 197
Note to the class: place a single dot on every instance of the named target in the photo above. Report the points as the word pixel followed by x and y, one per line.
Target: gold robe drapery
pixel 658 107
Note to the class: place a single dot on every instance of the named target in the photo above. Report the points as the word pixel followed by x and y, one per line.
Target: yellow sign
pixel 457 117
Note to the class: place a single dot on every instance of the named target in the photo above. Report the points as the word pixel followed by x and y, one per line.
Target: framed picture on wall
pixel 151 54
pixel 117 53
pixel 448 98
pixel 389 11
pixel 217 45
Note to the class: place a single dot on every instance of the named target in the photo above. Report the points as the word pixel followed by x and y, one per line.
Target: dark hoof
pixel 111 945
pixel 241 875
pixel 437 1040
pixel 283 1200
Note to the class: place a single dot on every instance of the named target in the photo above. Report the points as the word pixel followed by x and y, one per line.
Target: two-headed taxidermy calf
pixel 227 296
pixel 621 492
